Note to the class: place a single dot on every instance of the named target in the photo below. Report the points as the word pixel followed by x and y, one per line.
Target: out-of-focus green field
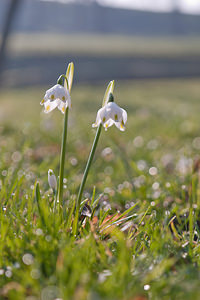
pixel 154 164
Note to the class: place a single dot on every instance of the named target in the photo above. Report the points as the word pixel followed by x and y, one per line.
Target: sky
pixel 190 6
pixel 187 6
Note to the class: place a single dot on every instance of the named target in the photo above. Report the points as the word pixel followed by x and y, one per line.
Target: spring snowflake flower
pixel 52 179
pixel 57 96
pixel 111 114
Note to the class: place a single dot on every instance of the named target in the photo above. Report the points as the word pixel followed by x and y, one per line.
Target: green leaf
pixel 110 89
pixel 38 200
pixel 69 75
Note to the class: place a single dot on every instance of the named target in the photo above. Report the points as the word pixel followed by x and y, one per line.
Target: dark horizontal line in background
pixel 43 70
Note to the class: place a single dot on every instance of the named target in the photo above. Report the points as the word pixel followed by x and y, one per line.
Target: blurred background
pixel 151 48
pixel 106 39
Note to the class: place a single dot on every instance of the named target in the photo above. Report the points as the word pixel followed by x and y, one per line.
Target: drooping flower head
pixel 111 114
pixel 57 96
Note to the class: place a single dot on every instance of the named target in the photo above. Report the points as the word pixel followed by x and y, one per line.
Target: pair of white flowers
pixel 59 96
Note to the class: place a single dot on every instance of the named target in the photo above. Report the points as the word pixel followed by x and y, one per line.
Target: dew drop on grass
pixel 120 188
pixel 49 293
pixel 16 156
pixel 146 287
pixel 127 185
pixel 156 194
pixel 16 265
pixel 39 231
pixel 152 145
pixel 155 185
pixel 168 184
pixel 184 255
pixel 73 161
pixel 35 273
pixel 8 273
pixel 138 141
pixel 107 153
pixel 153 171
pixel 108 170
pixel 127 205
pixel 20 173
pixel 141 165
pixel 27 259
pixel 48 238
pixel 4 173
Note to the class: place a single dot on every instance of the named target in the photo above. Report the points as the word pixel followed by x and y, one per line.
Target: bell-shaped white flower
pixel 111 114
pixel 57 96
pixel 52 179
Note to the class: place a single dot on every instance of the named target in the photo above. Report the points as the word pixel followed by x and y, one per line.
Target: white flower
pixel 57 96
pixel 111 114
pixel 52 179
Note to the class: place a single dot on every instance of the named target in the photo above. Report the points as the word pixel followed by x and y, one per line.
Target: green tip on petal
pixel 110 98
pixel 62 79
pixel 109 90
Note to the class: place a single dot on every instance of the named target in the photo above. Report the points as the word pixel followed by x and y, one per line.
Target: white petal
pixel 68 102
pixel 120 125
pixel 57 92
pixel 61 93
pixel 42 102
pixel 49 106
pixel 116 111
pixel 62 106
pixel 108 124
pixel 124 115
pixel 100 116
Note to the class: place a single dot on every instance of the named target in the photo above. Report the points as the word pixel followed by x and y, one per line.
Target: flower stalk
pixel 62 159
pixel 87 168
pixel 108 97
pixel 66 81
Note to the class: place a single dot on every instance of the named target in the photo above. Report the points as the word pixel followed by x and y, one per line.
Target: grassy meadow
pixel 142 240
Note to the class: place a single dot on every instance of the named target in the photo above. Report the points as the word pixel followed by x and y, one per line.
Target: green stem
pixel 62 160
pixel 87 168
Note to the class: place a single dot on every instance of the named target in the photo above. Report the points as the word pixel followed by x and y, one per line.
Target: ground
pixel 150 172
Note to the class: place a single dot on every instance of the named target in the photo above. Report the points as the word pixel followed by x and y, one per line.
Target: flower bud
pixel 52 179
